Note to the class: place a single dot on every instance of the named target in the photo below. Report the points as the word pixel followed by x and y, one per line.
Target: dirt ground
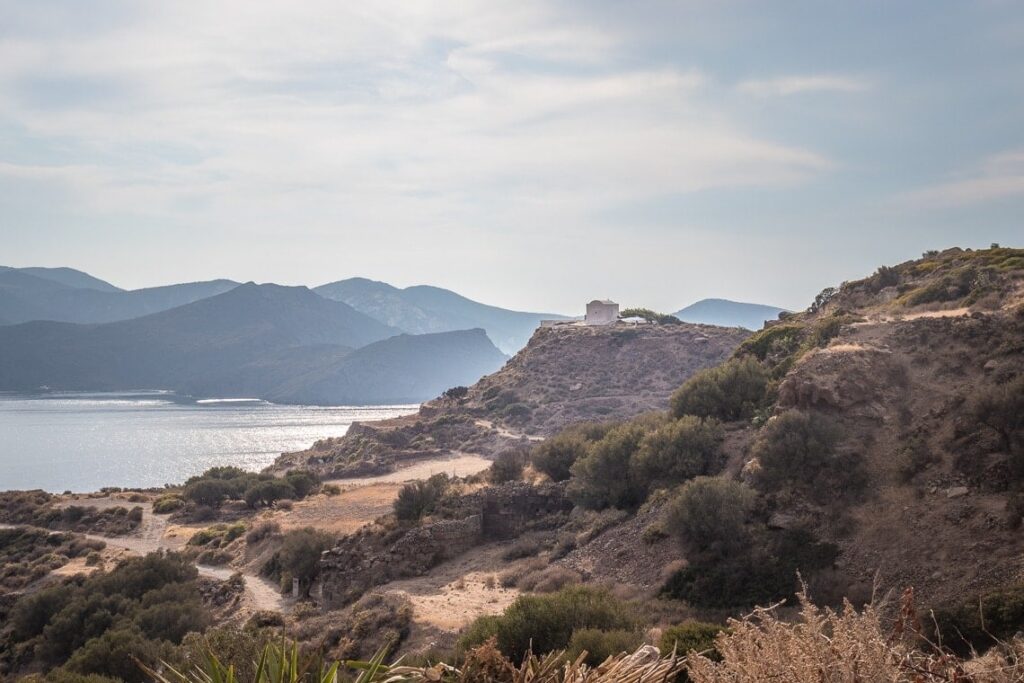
pixel 454 594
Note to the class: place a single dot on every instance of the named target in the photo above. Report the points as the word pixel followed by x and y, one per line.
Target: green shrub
pixel 134 609
pixel 1000 407
pixel 600 645
pixel 545 623
pixel 733 390
pixel 508 466
pixel 692 636
pixel 266 492
pixel 798 450
pixel 261 531
pixel 300 553
pixel 677 451
pixel 111 654
pixel 303 482
pixel 420 497
pixel 711 512
pixel 648 314
pixel 605 477
pixel 208 492
pixel 762 570
pixel 982 621
pixel 555 456
pixel 168 503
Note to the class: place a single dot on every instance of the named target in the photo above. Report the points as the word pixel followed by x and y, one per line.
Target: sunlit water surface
pixel 84 441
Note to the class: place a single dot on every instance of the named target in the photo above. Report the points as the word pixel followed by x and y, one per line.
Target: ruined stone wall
pixel 495 513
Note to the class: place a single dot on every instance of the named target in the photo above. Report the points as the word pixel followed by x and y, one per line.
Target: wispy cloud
pixel 996 177
pixel 796 85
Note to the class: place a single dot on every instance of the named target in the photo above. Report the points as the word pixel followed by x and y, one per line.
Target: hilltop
pixel 563 375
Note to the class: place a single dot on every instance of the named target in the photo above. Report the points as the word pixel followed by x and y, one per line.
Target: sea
pixel 82 442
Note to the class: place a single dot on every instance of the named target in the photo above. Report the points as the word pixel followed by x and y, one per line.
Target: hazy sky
pixel 528 154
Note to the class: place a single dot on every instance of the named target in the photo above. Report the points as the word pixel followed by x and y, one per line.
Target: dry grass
pixel 825 646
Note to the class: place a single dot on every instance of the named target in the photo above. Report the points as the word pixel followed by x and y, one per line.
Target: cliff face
pixel 563 375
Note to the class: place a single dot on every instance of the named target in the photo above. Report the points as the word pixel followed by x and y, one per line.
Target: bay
pixel 84 441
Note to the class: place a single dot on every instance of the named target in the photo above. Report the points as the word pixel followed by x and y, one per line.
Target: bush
pixel 648 314
pixel 524 547
pixel 261 531
pixel 600 645
pixel 208 492
pixel 798 449
pixel 166 504
pixel 456 393
pixel 761 571
pixel 546 622
pixel 111 654
pixel 711 512
pixel 1000 407
pixel 677 451
pixel 982 621
pixel 508 466
pixel 733 390
pixel 268 491
pixel 692 636
pixel 300 552
pixel 605 477
pixel 302 482
pixel 555 456
pixel 419 498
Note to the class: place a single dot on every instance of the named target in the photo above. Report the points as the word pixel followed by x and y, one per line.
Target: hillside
pixel 728 313
pixel 67 295
pixel 423 309
pixel 876 436
pixel 562 376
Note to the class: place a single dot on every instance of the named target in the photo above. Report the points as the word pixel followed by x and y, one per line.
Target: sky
pixel 532 155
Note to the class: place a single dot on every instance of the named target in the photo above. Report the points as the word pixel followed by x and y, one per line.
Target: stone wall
pixel 495 513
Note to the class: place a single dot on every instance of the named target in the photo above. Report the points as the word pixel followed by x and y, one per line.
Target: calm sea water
pixel 83 441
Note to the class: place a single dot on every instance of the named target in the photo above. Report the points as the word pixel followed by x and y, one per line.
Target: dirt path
pixel 459 464
pixel 262 592
pixel 507 433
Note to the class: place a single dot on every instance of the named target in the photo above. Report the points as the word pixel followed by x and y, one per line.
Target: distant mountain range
pixel 422 309
pixel 66 295
pixel 281 343
pixel 729 313
pixel 353 341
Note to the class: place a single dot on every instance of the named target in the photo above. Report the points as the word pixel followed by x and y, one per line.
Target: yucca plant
pixel 285 664
pixel 277 664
